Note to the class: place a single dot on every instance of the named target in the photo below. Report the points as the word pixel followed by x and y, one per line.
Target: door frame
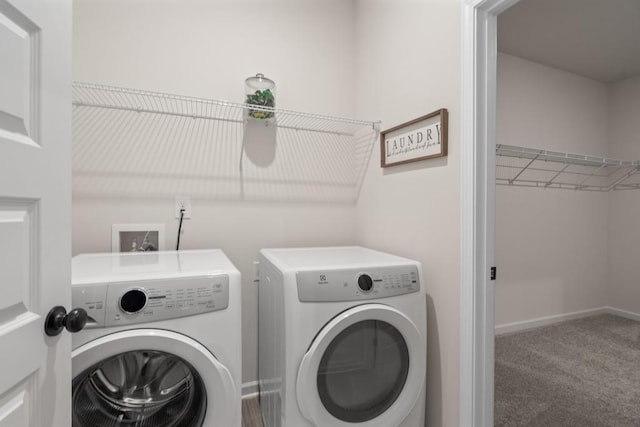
pixel 477 205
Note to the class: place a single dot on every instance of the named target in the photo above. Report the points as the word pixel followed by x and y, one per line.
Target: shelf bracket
pixel 548 183
pixel 623 178
pixel 525 168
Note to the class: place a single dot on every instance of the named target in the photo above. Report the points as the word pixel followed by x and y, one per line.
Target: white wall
pixel 206 49
pixel 624 234
pixel 408 65
pixel 551 245
pixel 543 107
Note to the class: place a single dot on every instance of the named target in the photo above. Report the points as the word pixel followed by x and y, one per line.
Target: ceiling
pixel 599 39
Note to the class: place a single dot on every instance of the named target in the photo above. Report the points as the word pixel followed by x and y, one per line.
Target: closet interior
pixel 566 150
pixel 567 175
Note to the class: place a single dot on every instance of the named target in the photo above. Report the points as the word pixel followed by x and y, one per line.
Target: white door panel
pixel 15 405
pixel 35 210
pixel 19 77
pixel 14 261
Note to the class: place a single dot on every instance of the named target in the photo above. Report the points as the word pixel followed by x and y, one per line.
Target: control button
pixel 365 283
pixel 133 301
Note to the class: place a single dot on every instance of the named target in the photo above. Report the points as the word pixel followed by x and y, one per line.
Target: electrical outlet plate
pixel 182 202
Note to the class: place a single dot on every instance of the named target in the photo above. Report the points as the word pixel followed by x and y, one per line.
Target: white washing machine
pixel 342 338
pixel 162 345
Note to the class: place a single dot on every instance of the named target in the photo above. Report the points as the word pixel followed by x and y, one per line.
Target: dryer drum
pixel 363 371
pixel 139 388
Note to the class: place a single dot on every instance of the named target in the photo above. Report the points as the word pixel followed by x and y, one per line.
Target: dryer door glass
pixel 139 388
pixel 363 371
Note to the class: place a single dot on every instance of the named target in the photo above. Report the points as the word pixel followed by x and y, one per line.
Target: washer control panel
pixel 126 303
pixel 357 284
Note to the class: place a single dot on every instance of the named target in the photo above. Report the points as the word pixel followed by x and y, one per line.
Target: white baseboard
pixel 549 320
pixel 250 390
pixel 622 313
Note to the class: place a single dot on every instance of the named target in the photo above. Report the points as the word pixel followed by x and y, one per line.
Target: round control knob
pixel 133 301
pixel 365 282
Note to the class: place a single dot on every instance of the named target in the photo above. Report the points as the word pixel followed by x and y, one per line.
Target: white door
pixel 35 210
pixel 366 366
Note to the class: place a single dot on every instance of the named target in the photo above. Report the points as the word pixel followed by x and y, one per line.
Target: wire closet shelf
pixel 132 142
pixel 530 167
pixel 141 101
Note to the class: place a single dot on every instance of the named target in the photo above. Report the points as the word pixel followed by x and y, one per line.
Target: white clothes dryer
pixel 162 345
pixel 342 338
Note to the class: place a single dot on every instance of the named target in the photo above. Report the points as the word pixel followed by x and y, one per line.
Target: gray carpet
pixel 583 372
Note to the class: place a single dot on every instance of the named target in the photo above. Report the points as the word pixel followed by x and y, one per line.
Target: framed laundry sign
pixel 419 139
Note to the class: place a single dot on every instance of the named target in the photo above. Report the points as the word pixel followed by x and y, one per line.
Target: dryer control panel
pixel 357 284
pixel 126 303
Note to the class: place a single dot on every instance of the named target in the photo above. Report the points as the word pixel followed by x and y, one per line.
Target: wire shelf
pixel 135 143
pixel 530 167
pixel 141 101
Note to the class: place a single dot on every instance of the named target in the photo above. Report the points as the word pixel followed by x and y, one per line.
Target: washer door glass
pixel 363 371
pixel 139 388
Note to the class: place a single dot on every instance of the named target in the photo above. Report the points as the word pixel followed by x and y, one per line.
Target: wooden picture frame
pixel 419 139
pixel 137 237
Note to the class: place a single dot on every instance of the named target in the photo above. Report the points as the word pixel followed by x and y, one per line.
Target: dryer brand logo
pixel 323 279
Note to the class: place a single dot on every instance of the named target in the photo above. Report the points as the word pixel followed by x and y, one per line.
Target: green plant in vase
pixel 263 98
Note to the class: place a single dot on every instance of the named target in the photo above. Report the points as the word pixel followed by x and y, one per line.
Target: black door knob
pixel 58 319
